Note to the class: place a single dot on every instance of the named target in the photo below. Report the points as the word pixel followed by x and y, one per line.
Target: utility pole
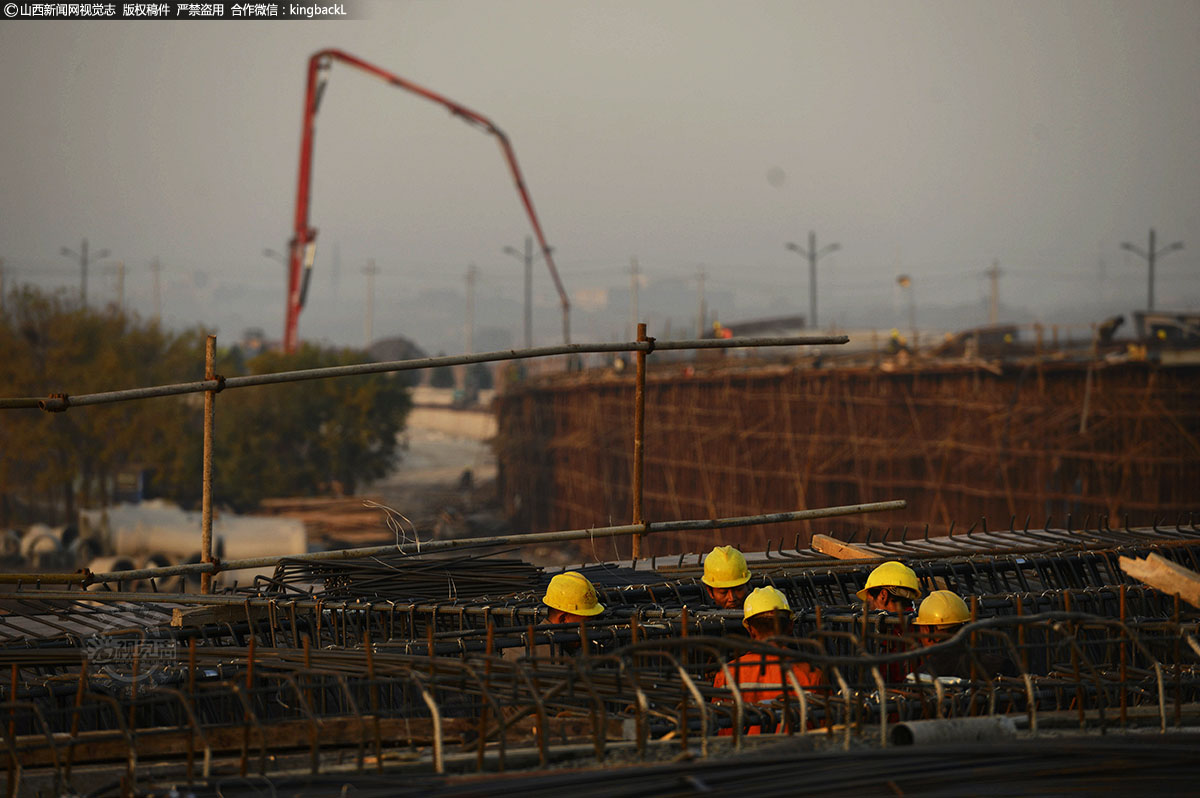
pixel 155 268
pixel 905 282
pixel 1150 255
pixel 703 311
pixel 472 272
pixel 994 303
pixel 121 285
pixel 369 320
pixel 461 374
pixel 527 258
pixel 528 292
pixel 812 254
pixel 3 304
pixel 634 284
pixel 82 257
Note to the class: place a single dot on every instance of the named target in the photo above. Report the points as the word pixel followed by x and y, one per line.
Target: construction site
pixel 759 558
pixel 435 658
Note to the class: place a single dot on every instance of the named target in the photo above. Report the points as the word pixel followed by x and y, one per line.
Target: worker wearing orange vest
pixel 762 677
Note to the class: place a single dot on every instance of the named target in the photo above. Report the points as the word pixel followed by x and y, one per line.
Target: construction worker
pixel 571 599
pixel 725 577
pixel 892 587
pixel 761 677
pixel 942 614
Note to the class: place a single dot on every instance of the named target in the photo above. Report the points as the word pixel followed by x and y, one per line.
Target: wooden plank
pixel 1162 574
pixel 842 551
pixel 225 613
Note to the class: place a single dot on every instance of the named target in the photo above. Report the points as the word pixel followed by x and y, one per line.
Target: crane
pixel 302 247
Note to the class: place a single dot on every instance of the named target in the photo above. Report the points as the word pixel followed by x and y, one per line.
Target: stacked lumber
pixel 346 519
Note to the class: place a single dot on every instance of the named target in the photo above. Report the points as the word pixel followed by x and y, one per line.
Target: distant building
pixel 991 340
pixel 1173 330
pixel 779 326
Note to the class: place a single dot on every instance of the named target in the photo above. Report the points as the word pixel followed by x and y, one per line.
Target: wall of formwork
pixel 959 443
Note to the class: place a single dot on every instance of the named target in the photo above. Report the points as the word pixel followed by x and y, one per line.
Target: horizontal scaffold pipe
pixel 459 543
pixel 60 402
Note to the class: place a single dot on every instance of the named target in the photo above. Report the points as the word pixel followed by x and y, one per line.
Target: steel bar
pixel 467 543
pixel 61 402
pixel 210 400
pixel 639 442
pixel 561 686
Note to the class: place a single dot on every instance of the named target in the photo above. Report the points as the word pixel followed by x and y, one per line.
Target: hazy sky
pixel 927 138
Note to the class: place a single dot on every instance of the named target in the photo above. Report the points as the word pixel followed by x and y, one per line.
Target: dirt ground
pixel 429 487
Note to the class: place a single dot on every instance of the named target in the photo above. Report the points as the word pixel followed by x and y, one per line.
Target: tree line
pixel 324 436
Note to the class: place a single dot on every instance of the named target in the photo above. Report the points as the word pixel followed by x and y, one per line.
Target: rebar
pixel 62 402
pixel 466 543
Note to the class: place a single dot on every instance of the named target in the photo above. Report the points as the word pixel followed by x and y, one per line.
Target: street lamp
pixel 82 257
pixel 813 255
pixel 905 282
pixel 1149 255
pixel 528 259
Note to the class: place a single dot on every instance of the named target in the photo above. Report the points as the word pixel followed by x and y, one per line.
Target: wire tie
pixel 57 403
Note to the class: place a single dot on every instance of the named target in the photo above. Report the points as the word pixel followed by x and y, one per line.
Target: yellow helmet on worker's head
pixel 725 567
pixel 763 599
pixel 572 592
pixel 897 577
pixel 942 608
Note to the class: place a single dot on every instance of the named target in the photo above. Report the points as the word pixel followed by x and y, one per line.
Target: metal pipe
pixel 464 543
pixel 639 432
pixel 61 402
pixel 210 398
pixel 953 730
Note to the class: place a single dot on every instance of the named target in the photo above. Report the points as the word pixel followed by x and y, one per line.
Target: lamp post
pixel 82 257
pixel 528 258
pixel 812 254
pixel 1150 254
pixel 905 282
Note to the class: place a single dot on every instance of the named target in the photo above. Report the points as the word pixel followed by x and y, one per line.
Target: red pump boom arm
pixel 301 247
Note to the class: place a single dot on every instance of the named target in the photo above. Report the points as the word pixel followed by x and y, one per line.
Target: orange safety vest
pixel 761 678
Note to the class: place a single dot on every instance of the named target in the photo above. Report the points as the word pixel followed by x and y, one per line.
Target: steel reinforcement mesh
pixel 954 442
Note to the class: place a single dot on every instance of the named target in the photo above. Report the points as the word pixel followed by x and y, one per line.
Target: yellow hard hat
pixel 763 599
pixel 896 577
pixel 725 567
pixel 942 608
pixel 572 592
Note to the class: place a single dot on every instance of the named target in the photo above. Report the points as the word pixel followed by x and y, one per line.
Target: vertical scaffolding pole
pixel 210 397
pixel 639 443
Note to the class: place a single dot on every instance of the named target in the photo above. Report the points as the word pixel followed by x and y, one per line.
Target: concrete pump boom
pixel 302 246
